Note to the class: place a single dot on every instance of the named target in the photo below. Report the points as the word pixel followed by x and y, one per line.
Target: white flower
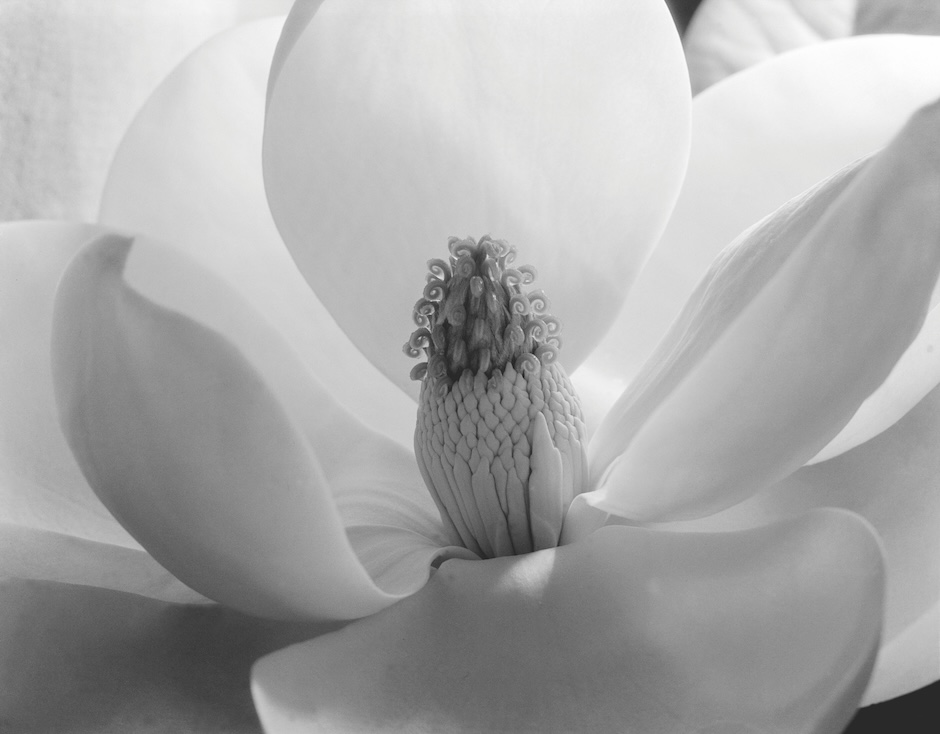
pixel 212 440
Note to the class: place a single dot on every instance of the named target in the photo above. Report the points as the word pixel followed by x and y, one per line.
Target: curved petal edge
pixel 628 630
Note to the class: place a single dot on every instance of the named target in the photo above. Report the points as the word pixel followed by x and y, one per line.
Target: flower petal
pixel 188 171
pixel 205 436
pixel 897 16
pixel 392 126
pixel 793 328
pixel 72 77
pixel 41 555
pixel 40 483
pixel 726 36
pixel 892 482
pixel 630 630
pixel 75 658
pixel 801 116
pixel 915 375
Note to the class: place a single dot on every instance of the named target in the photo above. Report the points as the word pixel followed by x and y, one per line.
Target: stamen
pixel 500 438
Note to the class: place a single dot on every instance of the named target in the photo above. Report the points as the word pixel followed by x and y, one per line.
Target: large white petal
pixel 73 74
pixel 76 658
pixel 631 630
pixel 188 171
pixel 760 138
pixel 207 438
pixel 391 126
pixel 792 329
pixel 891 481
pixel 40 483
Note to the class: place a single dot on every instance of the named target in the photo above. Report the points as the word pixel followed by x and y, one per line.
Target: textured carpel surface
pixel 500 434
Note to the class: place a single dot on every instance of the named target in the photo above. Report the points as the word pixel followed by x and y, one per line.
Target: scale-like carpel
pixel 500 436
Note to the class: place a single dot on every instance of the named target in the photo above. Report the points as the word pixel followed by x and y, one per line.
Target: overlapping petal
pixel 727 36
pixel 44 555
pixel 891 481
pixel 791 330
pixel 207 438
pixel 72 77
pixel 802 115
pixel 40 483
pixel 632 630
pixel 392 126
pixel 188 171
pixel 78 658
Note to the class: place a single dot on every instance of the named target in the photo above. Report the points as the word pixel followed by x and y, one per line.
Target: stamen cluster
pixel 474 315
pixel 500 435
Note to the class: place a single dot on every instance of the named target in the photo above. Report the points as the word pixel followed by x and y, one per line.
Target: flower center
pixel 500 436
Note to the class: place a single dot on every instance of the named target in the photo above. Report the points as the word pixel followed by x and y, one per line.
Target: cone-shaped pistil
pixel 500 436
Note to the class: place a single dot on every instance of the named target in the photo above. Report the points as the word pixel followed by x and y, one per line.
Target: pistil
pixel 500 435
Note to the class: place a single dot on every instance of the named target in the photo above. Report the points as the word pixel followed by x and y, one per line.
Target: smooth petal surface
pixel 205 436
pixel 42 555
pixel 913 377
pixel 761 138
pixel 726 36
pixel 392 126
pixel 79 659
pixel 40 483
pixel 188 171
pixel 631 630
pixel 891 481
pixel 897 16
pixel 73 74
pixel 792 329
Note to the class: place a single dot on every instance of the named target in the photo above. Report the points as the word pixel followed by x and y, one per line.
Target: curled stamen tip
pixel 511 278
pixel 464 266
pixel 420 339
pixel 539 301
pixel 439 269
pixel 529 274
pixel 477 315
pixel 419 371
pixel 423 311
pixel 552 324
pixel 528 363
pixel 519 304
pixel 535 329
pixel 546 353
pixel 434 290
pixel 490 246
pixel 460 248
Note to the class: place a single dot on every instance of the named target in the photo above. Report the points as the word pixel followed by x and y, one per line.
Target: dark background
pixel 917 712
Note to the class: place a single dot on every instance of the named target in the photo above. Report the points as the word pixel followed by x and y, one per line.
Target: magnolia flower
pixel 218 444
